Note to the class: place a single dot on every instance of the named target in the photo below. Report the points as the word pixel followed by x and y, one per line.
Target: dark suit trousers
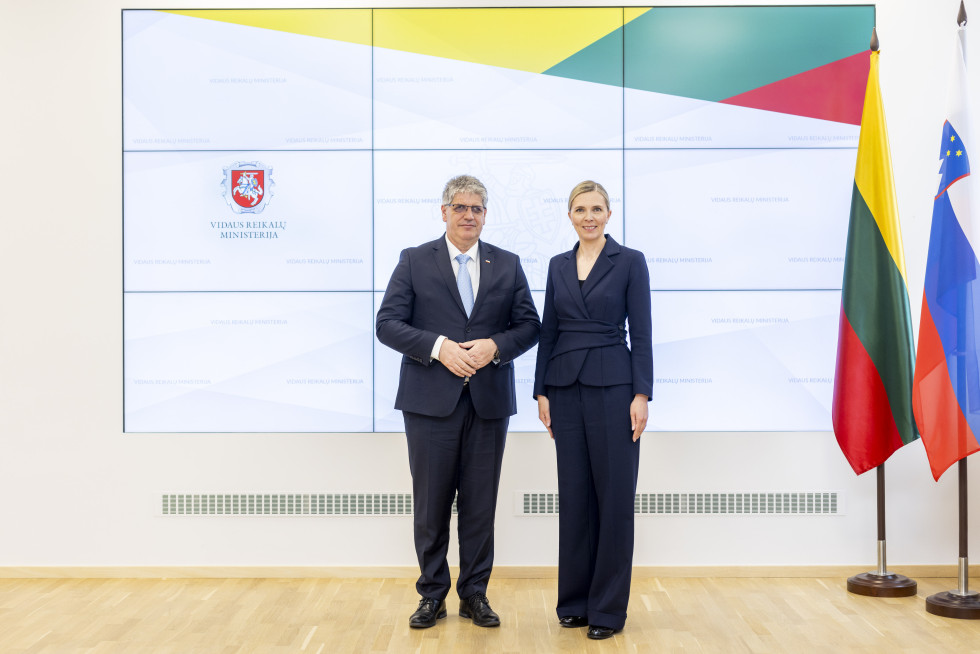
pixel 458 455
pixel 598 464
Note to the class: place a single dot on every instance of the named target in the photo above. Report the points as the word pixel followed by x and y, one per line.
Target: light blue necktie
pixel 464 284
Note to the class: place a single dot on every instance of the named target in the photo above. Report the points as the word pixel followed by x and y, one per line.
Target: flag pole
pixel 964 564
pixel 881 583
pixel 961 603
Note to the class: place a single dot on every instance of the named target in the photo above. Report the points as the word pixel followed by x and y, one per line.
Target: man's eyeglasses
pixel 461 208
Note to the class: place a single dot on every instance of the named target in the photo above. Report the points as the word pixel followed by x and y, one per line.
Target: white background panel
pixel 387 363
pixel 527 206
pixel 422 101
pixel 740 219
pixel 527 407
pixel 743 361
pixel 175 211
pixel 193 83
pixel 658 120
pixel 248 362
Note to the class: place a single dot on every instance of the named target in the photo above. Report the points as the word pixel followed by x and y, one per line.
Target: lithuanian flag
pixel 872 409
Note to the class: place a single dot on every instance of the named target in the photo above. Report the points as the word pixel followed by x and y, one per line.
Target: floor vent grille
pixel 796 503
pixel 288 504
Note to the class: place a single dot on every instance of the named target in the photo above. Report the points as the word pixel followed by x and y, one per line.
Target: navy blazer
pixel 583 331
pixel 423 302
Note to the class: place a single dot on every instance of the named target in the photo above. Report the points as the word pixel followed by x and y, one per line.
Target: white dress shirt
pixel 472 267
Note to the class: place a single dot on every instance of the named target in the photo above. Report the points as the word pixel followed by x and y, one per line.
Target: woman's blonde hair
pixel 586 187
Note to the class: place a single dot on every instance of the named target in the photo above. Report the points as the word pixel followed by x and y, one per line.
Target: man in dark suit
pixel 460 311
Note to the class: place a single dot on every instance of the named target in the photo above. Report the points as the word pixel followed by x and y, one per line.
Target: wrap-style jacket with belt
pixel 584 328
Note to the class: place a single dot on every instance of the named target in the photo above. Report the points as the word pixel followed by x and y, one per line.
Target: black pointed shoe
pixel 428 612
pixel 601 633
pixel 572 621
pixel 476 607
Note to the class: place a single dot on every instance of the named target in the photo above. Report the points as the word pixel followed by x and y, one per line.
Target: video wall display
pixel 275 163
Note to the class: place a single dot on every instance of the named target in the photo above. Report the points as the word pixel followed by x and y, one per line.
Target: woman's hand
pixel 638 414
pixel 544 414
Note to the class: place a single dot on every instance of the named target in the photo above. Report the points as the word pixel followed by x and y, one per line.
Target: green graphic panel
pixel 714 53
pixel 600 62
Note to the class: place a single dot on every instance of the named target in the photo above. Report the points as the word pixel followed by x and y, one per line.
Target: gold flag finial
pixel 874 39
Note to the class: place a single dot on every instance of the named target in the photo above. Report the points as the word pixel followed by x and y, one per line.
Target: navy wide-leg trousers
pixel 598 464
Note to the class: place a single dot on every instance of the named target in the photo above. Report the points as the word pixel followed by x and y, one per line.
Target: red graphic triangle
pixel 834 91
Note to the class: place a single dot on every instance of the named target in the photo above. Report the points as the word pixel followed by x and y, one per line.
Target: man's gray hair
pixel 464 184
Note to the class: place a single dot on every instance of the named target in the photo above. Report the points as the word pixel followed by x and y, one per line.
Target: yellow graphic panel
pixel 531 40
pixel 348 25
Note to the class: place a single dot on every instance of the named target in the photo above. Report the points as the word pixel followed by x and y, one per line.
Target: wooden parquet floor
pixel 327 616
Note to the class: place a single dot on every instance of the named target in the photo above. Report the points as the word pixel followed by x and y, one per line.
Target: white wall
pixel 76 491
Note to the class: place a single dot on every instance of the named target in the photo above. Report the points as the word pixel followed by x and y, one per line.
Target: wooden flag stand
pixel 961 603
pixel 881 583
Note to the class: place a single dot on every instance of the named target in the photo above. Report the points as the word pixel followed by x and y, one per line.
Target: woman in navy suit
pixel 592 389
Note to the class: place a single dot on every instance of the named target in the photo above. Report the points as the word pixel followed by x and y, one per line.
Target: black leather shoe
pixel 428 612
pixel 477 608
pixel 601 633
pixel 573 621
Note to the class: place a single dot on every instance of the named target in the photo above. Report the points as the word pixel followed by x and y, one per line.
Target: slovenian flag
pixel 946 392
pixel 872 408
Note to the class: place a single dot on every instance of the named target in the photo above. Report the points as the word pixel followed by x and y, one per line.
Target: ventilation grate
pixel 538 504
pixel 798 503
pixel 288 504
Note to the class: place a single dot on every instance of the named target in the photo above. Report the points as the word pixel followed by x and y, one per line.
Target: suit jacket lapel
pixel 569 276
pixel 485 260
pixel 441 254
pixel 605 262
